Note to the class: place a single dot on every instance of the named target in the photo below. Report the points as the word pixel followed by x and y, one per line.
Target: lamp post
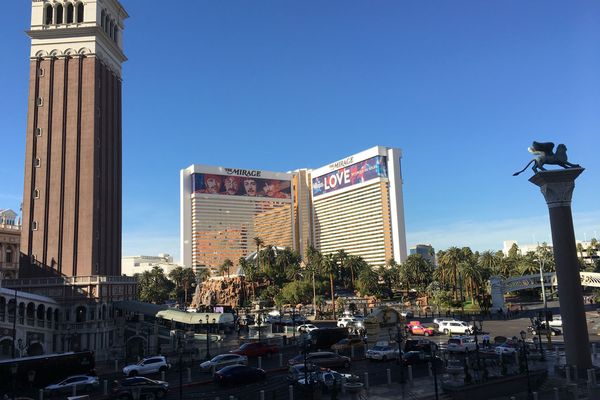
pixel 548 334
pixel 294 322
pixel 180 352
pixel 477 329
pixel 434 367
pixel 14 368
pixel 207 339
pixel 259 323
pixel 524 353
pixel 21 347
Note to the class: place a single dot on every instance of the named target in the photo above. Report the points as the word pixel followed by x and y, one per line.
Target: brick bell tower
pixel 72 195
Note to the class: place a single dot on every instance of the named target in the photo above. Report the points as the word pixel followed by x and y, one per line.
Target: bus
pixel 40 371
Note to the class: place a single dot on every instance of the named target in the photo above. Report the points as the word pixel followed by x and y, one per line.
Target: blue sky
pixel 463 87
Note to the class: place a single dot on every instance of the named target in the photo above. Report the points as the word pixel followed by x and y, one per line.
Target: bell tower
pixel 72 193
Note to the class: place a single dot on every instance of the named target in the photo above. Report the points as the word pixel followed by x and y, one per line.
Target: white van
pixel 450 327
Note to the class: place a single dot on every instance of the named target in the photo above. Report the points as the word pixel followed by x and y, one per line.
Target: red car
pixel 256 349
pixel 421 330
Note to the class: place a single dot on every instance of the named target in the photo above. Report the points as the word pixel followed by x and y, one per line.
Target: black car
pixel 418 357
pixel 542 330
pixel 239 374
pixel 147 388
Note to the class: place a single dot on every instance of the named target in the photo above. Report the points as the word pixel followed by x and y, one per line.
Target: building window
pixel 79 12
pixel 34 227
pixel 59 14
pixel 48 15
pixel 37 163
pixel 41 72
pixel 70 10
pixel 38 132
pixel 36 194
pixel 40 102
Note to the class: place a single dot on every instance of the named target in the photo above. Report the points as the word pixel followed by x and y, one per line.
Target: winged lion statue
pixel 547 156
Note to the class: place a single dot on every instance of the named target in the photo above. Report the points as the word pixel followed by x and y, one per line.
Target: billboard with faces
pixel 362 171
pixel 229 185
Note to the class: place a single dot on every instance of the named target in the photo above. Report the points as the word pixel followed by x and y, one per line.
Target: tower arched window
pixel 48 11
pixel 111 26
pixel 103 19
pixel 70 11
pixel 59 14
pixel 116 35
pixel 79 12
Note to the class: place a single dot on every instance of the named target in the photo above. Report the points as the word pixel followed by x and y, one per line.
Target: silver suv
pixel 148 365
pixel 451 327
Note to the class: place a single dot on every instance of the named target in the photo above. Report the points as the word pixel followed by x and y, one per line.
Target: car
pixel 418 357
pixel 81 382
pixel 328 379
pixel 461 344
pixel 439 320
pixel 505 348
pixel 348 343
pixel 306 328
pixel 452 327
pixel 420 330
pixel 297 371
pixel 407 314
pixel 148 365
pixel 556 321
pixel 543 330
pixel 344 321
pixel 322 359
pixel 223 360
pixel 381 352
pixel 323 338
pixel 239 374
pixel 256 349
pixel 140 387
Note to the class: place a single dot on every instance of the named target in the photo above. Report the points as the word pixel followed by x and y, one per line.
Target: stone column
pixel 497 291
pixel 557 187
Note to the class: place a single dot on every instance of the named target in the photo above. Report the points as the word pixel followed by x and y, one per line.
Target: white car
pixel 148 365
pixel 223 360
pixel 306 328
pixel 439 320
pixel 82 382
pixel 451 327
pixel 505 348
pixel 461 344
pixel 556 321
pixel 381 353
pixel 345 321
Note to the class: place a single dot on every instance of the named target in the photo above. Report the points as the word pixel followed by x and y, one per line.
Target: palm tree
pixel 259 243
pixel 227 264
pixel 314 265
pixel 450 261
pixel 341 257
pixel 330 267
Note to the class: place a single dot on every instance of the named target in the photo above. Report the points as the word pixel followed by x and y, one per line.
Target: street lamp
pixel 548 334
pixel 477 329
pixel 207 339
pixel 180 352
pixel 433 348
pixel 14 368
pixel 21 347
pixel 524 353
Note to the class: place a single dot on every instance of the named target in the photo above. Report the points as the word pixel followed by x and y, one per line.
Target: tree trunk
pixel 332 294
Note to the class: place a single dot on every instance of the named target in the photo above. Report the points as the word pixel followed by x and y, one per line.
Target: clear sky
pixel 462 87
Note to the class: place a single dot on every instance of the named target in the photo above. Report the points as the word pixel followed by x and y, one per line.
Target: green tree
pixel 450 263
pixel 368 283
pixel 296 292
pixel 330 267
pixel 259 243
pixel 183 279
pixel 154 286
pixel 341 257
pixel 226 266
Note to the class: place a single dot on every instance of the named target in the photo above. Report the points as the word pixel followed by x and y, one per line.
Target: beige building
pixel 10 237
pixel 131 265
pixel 224 209
pixel 358 206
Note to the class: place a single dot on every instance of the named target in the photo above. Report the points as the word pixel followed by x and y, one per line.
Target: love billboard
pixel 362 171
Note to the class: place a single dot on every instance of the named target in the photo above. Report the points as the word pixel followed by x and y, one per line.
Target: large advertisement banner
pixel 240 186
pixel 362 171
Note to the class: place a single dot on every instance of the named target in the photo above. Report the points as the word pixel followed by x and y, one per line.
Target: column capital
pixel 557 186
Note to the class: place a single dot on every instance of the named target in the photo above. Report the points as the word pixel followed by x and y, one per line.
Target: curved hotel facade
pixel 354 204
pixel 224 209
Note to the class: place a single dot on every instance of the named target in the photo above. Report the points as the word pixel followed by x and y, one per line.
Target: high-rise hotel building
pixel 224 209
pixel 358 206
pixel 354 204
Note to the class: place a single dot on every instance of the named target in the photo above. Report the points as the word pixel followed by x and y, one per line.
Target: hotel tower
pixel 72 195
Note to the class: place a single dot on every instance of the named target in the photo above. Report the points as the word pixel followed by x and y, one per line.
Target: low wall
pixel 504 386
